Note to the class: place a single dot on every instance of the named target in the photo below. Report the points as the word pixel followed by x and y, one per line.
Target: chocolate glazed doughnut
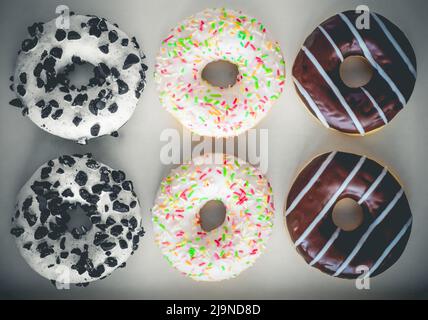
pixel 381 238
pixel 362 109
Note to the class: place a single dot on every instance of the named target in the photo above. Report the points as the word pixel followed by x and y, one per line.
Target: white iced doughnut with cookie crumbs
pixel 45 93
pixel 228 250
pixel 46 204
pixel 219 35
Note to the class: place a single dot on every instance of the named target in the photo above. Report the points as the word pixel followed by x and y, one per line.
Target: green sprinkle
pixel 192 252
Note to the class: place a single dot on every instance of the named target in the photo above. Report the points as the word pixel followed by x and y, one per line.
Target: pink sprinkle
pixel 242 200
pixel 167 39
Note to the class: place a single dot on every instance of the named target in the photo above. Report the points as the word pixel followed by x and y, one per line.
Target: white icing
pixel 87 49
pixel 63 272
pixel 211 35
pixel 225 252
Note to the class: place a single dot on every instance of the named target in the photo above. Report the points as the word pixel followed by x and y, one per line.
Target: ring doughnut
pixel 376 243
pixel 362 109
pixel 45 93
pixel 225 252
pixel 45 204
pixel 219 35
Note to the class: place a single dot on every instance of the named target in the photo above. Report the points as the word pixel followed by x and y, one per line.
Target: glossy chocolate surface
pixel 318 196
pixel 383 52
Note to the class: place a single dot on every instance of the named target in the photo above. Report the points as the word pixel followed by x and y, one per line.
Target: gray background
pixel 294 138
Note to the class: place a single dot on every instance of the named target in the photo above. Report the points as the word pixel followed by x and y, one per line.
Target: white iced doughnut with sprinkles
pixel 219 35
pixel 232 247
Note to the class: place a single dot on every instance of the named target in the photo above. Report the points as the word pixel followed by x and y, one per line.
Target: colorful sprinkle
pixel 207 37
pixel 228 250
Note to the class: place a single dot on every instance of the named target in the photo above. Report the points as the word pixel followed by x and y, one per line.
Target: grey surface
pixel 294 138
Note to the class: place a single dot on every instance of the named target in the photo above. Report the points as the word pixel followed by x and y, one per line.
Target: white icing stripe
pixel 374 103
pixel 373 186
pixel 366 235
pixel 335 90
pixel 330 202
pixel 390 247
pixel 311 103
pixel 396 45
pixel 311 182
pixel 326 247
pixel 333 44
pixel 372 61
pixel 339 54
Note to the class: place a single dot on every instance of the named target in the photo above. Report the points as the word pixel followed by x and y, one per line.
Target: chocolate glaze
pixel 383 53
pixel 322 191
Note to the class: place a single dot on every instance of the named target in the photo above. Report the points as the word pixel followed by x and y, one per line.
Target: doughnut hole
pixel 221 73
pixel 78 75
pixel 347 214
pixel 81 74
pixel 212 215
pixel 79 222
pixel 356 71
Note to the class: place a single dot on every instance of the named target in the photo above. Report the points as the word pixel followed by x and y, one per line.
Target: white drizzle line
pixel 335 90
pixel 336 233
pixel 311 182
pixel 333 44
pixel 330 202
pixel 373 186
pixel 395 44
pixel 390 247
pixel 339 54
pixel 372 61
pixel 311 102
pixel 366 235
pixel 375 104
pixel 326 247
